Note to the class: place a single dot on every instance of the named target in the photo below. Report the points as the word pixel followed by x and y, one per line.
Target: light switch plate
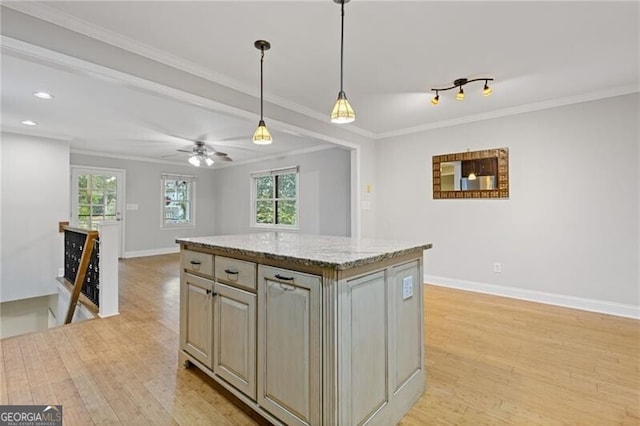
pixel 407 287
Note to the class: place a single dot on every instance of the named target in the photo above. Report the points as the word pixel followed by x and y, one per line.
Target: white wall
pixel 570 227
pixel 324 193
pixel 143 232
pixel 34 193
pixel 26 315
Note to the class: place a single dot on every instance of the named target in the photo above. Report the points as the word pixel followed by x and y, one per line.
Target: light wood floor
pixel 489 360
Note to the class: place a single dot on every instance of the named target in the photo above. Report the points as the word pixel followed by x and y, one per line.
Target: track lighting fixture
pixel 262 135
pixel 486 91
pixel 342 112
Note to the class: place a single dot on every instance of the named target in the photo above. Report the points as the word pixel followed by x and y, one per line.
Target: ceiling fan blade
pixel 223 159
pixel 172 156
pixel 220 154
pixel 184 150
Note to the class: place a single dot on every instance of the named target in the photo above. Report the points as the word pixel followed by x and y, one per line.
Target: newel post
pixel 109 240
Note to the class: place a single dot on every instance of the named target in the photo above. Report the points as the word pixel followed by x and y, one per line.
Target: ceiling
pixel 539 53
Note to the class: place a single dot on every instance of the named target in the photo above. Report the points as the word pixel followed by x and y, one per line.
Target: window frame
pixel 191 180
pixel 253 223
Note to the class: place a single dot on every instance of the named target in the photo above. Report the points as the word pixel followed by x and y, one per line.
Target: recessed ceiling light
pixel 29 123
pixel 43 95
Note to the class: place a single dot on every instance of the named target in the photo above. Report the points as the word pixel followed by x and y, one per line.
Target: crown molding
pixel 609 93
pixel 124 157
pixel 34 133
pixel 278 156
pixel 51 15
pixel 221 165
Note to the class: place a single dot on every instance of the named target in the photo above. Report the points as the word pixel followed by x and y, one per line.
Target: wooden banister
pixel 89 242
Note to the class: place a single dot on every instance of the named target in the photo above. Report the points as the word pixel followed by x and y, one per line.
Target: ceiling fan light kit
pixel 459 83
pixel 201 154
pixel 342 112
pixel 262 135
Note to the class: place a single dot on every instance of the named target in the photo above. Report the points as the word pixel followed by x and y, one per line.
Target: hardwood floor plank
pixel 15 372
pixel 489 360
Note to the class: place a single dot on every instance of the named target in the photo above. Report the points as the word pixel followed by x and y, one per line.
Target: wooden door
pixel 234 337
pixel 289 345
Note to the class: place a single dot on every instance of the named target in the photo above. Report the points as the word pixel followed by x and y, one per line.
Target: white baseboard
pixel 153 252
pixel 592 305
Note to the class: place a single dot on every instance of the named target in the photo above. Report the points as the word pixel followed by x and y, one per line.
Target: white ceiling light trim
pixel 43 95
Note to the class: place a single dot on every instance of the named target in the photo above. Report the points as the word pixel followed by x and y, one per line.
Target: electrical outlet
pixel 497 267
pixel 407 287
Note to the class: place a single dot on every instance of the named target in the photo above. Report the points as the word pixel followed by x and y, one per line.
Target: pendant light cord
pixel 341 45
pixel 261 62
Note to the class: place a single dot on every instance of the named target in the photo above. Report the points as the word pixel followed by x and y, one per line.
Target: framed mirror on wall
pixel 472 174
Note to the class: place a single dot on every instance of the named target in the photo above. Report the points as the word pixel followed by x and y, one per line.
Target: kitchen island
pixel 306 329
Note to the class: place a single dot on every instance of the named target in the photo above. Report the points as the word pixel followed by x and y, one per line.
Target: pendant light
pixel 342 112
pixel 262 135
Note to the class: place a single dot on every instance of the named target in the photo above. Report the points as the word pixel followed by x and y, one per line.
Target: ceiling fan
pixel 203 154
pixel 206 151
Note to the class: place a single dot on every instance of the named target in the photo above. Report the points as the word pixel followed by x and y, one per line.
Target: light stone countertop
pixel 319 250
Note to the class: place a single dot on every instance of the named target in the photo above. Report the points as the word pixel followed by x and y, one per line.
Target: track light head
pixel 460 95
pixel 436 99
pixel 486 91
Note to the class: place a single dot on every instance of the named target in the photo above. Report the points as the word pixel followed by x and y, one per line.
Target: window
pixel 274 198
pixel 177 200
pixel 97 199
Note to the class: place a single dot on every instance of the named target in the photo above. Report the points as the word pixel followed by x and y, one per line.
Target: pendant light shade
pixel 342 112
pixel 262 135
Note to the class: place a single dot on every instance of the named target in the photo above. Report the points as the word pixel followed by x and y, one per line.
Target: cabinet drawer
pixel 236 272
pixel 197 262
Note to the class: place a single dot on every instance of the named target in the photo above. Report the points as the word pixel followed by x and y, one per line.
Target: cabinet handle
pixel 231 272
pixel 195 262
pixel 283 278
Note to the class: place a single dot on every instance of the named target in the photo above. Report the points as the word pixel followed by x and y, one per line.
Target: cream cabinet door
pixel 405 324
pixel 234 337
pixel 289 345
pixel 196 320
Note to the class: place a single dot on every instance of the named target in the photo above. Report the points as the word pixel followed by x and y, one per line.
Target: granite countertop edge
pixel 307 261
